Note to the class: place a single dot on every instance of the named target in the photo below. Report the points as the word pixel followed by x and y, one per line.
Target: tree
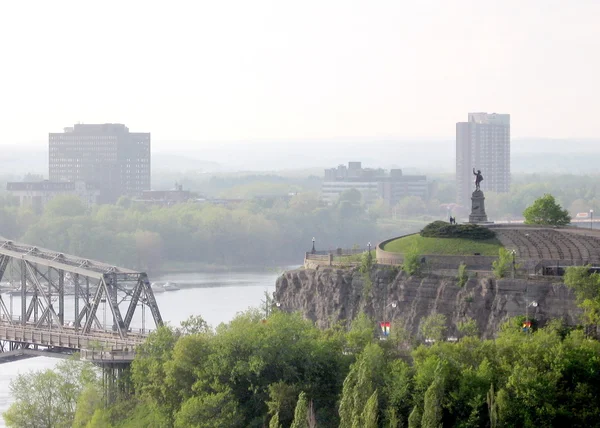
pixel 364 378
pixel 546 211
pixel 586 286
pixel 89 401
pixel 433 327
pixel 415 417
pixel 49 398
pixel 282 402
pixel 411 206
pixel 379 209
pixel 149 249
pixel 65 206
pixel 210 411
pixel 369 416
pixel 351 195
pixel 463 276
pixel 274 422
pixel 468 328
pixel 195 324
pixel 492 407
pixel 412 262
pixel 100 420
pixel 267 304
pixel 432 409
pixel 397 391
pixel 301 412
pixel 502 266
pixel 361 333
pixel 148 370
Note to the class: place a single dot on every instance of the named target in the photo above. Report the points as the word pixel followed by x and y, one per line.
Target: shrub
pixel 468 328
pixel 442 229
pixel 502 266
pixel 366 264
pixel 433 327
pixel 462 277
pixel 412 263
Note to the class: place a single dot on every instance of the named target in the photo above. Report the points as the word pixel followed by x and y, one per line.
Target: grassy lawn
pixel 354 258
pixel 447 246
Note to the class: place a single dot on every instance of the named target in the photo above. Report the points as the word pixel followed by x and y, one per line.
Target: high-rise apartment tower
pixel 106 155
pixel 482 143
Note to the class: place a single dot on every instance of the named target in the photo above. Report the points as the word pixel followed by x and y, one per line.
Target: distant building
pixel 37 194
pixel 165 197
pixel 482 143
pixel 372 184
pixel 106 155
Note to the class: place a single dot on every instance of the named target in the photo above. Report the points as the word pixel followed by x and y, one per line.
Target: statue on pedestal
pixel 478 214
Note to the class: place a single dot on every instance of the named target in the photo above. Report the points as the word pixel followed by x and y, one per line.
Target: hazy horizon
pixel 219 72
pixel 424 156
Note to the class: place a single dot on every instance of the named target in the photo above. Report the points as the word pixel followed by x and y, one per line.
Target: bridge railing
pixel 115 356
pixel 132 332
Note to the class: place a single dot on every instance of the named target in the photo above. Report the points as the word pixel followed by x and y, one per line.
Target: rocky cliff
pixel 328 295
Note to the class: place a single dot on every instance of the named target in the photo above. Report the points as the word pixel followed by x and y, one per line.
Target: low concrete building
pixel 37 194
pixel 391 186
pixel 165 197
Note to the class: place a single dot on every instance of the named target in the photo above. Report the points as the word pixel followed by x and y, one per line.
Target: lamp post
pixel 393 305
pixel 591 219
pixel 369 245
pixel 313 248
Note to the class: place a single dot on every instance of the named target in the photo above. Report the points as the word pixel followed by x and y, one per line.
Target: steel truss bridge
pixel 45 323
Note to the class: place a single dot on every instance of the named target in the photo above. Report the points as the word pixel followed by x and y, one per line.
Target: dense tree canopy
pixel 282 371
pixel 259 232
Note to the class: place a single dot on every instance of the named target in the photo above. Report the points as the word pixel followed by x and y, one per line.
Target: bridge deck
pixel 70 339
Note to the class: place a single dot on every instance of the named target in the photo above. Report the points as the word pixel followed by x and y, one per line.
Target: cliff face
pixel 327 295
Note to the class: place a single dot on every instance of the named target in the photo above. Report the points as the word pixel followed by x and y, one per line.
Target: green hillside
pixel 445 246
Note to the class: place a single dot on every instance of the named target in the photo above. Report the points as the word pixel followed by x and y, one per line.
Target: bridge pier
pixel 116 381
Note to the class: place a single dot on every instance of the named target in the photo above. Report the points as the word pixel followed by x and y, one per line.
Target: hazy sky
pixel 243 70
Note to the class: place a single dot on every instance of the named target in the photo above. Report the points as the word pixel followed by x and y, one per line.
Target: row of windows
pixel 81 137
pixel 84 145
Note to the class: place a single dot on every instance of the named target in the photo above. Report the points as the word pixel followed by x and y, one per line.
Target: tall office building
pixel 482 143
pixel 106 155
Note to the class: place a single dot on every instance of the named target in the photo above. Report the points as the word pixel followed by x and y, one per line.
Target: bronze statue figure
pixel 478 178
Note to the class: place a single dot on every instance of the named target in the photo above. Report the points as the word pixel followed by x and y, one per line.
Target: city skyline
pixel 273 71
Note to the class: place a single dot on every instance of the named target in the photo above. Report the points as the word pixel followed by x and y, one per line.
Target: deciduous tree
pixel 546 211
pixel 49 398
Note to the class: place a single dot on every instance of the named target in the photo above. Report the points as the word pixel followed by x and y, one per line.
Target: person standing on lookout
pixel 478 178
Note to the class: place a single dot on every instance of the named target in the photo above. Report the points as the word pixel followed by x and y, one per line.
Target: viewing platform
pixel 535 248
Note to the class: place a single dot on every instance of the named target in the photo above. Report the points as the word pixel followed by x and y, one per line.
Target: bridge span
pixel 47 323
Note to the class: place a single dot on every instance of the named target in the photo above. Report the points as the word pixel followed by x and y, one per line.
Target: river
pixel 217 297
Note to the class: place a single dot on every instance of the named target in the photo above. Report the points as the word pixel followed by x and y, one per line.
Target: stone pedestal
pixel 478 214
